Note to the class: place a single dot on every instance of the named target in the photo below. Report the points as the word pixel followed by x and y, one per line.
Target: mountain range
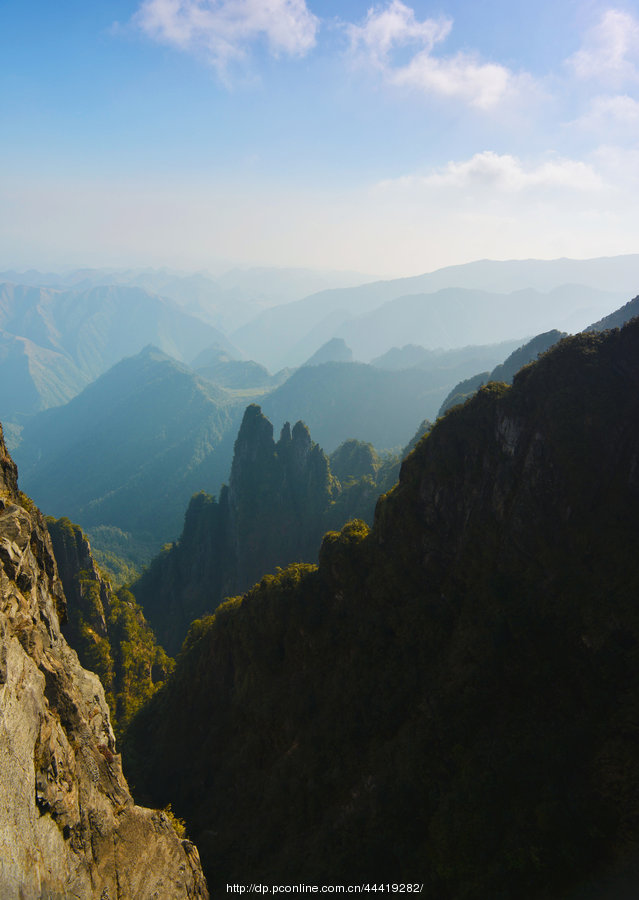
pixel 124 456
pixel 505 371
pixel 55 342
pixel 58 332
pixel 449 698
pixel 131 449
pixel 447 685
pixel 225 300
pixel 286 335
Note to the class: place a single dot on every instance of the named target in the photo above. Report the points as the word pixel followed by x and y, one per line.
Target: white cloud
pixel 507 174
pixel 482 85
pixel 610 49
pixel 617 112
pixel 223 29
pixel 463 75
pixel 395 26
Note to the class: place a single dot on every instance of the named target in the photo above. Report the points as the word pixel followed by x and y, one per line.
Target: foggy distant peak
pixel 335 350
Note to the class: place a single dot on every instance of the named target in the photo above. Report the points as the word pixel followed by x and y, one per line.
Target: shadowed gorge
pixel 450 697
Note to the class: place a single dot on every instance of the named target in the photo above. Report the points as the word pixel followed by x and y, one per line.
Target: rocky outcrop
pixel 68 824
pixel 273 512
pixel 106 627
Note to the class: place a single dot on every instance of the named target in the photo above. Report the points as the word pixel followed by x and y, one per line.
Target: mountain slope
pixel 462 359
pixel 339 401
pixel 131 449
pixel 455 317
pixel 54 342
pixel 505 371
pixel 617 318
pixel 106 628
pixel 451 698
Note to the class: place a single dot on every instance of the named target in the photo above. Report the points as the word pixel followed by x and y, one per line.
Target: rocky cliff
pixel 106 627
pixel 281 499
pixel 68 824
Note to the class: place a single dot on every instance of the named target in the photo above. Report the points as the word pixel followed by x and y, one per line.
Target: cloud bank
pixel 508 174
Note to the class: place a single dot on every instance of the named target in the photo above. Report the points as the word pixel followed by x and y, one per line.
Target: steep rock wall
pixel 68 824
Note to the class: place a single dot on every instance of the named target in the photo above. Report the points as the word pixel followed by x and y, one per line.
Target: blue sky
pixel 386 138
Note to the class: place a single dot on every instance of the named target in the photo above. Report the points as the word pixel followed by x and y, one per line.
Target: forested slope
pixel 450 698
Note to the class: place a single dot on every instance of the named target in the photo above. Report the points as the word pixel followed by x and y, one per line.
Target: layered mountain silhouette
pixel 529 352
pixel 54 342
pixel 286 335
pixel 505 371
pixel 412 356
pixel 450 697
pixel 345 400
pixel 617 318
pixel 335 350
pixel 131 449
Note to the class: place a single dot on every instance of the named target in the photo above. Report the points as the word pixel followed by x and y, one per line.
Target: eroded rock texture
pixel 68 824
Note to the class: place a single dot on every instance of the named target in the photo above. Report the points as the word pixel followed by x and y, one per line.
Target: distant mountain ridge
pixel 132 448
pixel 342 400
pixel 55 342
pixel 505 371
pixel 225 300
pixel 456 317
pixel 529 351
pixel 335 350
pixel 294 331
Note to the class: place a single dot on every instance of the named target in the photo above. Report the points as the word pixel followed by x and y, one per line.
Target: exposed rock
pixel 106 627
pixel 68 824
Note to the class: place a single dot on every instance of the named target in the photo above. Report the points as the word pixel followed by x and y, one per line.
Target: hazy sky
pixel 390 138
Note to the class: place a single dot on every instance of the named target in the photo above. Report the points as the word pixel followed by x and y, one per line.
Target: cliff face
pixel 280 501
pixel 68 824
pixel 272 513
pixel 452 697
pixel 106 627
pixel 277 495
